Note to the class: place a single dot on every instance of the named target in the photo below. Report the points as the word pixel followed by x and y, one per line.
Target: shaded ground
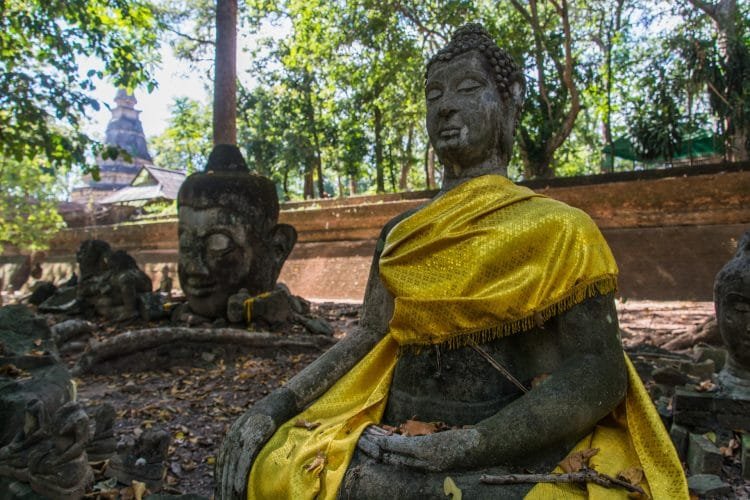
pixel 197 404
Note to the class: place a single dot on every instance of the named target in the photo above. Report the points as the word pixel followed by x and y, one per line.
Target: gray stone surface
pixel 229 234
pixel 709 486
pixel 141 459
pixel 702 369
pixel 732 301
pixel 710 410
pixel 703 457
pixel 110 282
pixel 679 435
pixel 745 456
pixel 717 354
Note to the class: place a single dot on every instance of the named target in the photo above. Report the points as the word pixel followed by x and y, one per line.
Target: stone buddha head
pixel 732 302
pixel 228 233
pixel 474 94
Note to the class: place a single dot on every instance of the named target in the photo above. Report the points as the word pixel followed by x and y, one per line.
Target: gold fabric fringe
pixel 580 293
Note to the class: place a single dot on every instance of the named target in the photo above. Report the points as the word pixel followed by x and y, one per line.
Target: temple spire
pixel 124 129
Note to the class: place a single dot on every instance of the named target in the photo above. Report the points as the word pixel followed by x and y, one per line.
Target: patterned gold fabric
pixel 631 436
pixel 483 260
pixel 487 259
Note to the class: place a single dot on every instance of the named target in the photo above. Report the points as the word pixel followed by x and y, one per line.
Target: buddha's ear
pixel 283 238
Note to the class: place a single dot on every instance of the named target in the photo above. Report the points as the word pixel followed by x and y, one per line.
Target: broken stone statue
pixel 732 302
pixel 490 310
pixel 43 431
pixel 231 243
pixel 110 285
pixel 142 458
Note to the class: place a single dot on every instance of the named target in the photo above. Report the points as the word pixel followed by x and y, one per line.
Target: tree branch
pixel 708 8
pixel 582 477
pixel 418 23
pixel 575 102
pixel 191 38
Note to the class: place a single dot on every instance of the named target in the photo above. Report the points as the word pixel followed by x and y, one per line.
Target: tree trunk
pixel 379 174
pixel 225 73
pixel 286 185
pixel 406 163
pixel 309 187
pixel 340 185
pixel 352 185
pixel 392 169
pixel 430 167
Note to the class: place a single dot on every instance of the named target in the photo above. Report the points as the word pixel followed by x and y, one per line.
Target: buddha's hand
pixel 441 451
pixel 245 439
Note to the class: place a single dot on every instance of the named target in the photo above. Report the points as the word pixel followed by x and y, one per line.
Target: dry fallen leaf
pixel 306 425
pixel 633 475
pixel 450 489
pixel 12 371
pixel 389 429
pixel 706 386
pixel 317 465
pixel 139 489
pixel 577 460
pixel 417 428
pixel 728 450
pixel 539 379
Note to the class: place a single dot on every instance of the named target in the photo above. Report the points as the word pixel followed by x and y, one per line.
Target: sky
pixel 174 81
pixel 175 78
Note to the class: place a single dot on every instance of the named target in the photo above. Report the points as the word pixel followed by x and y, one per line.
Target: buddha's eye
pixel 468 85
pixel 742 307
pixel 219 243
pixel 433 93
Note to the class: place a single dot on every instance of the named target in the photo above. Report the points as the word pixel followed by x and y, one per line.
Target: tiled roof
pixel 165 186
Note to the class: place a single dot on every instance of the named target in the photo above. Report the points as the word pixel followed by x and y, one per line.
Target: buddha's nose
pixel 195 266
pixel 447 108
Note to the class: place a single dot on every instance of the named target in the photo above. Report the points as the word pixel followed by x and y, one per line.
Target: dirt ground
pixel 198 403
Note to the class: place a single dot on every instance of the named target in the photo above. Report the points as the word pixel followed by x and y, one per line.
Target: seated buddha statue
pixel 491 310
pixel 228 233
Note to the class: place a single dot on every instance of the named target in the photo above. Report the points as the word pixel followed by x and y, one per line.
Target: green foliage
pixel 42 94
pixel 656 126
pixel 28 204
pixel 186 142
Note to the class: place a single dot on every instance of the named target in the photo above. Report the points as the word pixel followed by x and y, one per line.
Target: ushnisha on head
pixel 448 90
pixel 732 302
pixel 228 231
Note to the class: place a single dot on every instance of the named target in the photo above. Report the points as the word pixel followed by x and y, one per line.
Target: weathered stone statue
pixel 110 282
pixel 43 434
pixel 490 309
pixel 229 235
pixel 141 459
pixel 732 301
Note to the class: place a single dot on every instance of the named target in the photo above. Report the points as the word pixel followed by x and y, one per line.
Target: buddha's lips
pixel 450 132
pixel 199 289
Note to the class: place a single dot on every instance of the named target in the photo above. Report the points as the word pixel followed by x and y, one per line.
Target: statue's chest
pixel 458 386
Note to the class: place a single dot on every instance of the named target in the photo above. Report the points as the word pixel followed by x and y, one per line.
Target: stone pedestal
pixel 711 410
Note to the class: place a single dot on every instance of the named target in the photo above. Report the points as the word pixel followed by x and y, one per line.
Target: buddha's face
pixel 465 111
pixel 734 324
pixel 219 254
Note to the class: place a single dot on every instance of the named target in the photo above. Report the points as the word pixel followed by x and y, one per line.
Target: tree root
pixel 707 332
pixel 140 340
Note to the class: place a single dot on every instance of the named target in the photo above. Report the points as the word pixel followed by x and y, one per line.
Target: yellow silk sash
pixel 483 260
pixel 487 259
